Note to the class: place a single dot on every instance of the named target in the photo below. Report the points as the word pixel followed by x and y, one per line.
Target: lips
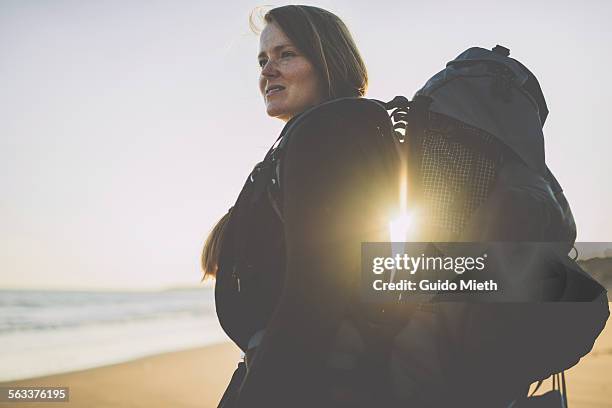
pixel 272 89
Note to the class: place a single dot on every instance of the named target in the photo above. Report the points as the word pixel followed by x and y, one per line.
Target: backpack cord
pixel 577 253
pixel 400 107
pixel 536 388
pixel 564 390
pixel 560 386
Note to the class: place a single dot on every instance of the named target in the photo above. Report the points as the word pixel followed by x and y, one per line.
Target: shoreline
pixel 198 377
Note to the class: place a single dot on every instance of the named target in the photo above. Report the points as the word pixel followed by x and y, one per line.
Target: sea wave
pixel 57 331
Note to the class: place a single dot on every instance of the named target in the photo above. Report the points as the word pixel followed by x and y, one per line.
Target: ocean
pixel 49 332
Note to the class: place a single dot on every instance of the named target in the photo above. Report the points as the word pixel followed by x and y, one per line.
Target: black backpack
pixel 477 119
pixel 473 142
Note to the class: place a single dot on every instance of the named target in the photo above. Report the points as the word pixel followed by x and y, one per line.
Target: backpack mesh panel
pixel 458 166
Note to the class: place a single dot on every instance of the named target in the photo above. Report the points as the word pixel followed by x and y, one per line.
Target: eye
pixel 286 54
pixel 262 62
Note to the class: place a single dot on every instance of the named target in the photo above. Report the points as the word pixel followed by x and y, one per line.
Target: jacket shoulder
pixel 343 110
pixel 355 115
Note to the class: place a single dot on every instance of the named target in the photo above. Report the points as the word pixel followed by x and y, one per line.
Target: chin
pixel 276 112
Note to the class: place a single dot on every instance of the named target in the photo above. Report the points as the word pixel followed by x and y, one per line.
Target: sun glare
pixel 401 226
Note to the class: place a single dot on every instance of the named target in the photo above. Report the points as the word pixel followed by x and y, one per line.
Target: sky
pixel 127 128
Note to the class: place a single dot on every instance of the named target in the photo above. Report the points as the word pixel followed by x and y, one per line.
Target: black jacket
pixel 339 183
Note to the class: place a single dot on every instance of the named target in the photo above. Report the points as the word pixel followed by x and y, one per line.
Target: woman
pixel 287 256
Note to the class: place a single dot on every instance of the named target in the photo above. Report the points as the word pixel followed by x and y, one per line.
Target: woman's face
pixel 288 81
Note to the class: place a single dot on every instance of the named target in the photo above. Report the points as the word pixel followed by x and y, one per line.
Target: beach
pixel 198 377
pixel 182 379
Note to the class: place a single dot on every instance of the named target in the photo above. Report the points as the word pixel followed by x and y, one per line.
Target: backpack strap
pixel 536 388
pixel 256 185
pixel 410 121
pixel 563 389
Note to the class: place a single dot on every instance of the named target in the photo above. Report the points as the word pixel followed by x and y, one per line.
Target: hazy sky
pixel 128 127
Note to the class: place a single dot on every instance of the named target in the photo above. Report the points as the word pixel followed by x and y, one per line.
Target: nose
pixel 270 69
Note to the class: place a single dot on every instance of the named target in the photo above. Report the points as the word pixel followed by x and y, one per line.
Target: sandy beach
pixel 197 378
pixel 182 379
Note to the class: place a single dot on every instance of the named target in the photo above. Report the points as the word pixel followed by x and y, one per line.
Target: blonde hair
pixel 212 248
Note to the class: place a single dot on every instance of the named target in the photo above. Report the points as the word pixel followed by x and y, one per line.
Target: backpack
pixel 484 110
pixel 473 143
pixel 472 138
